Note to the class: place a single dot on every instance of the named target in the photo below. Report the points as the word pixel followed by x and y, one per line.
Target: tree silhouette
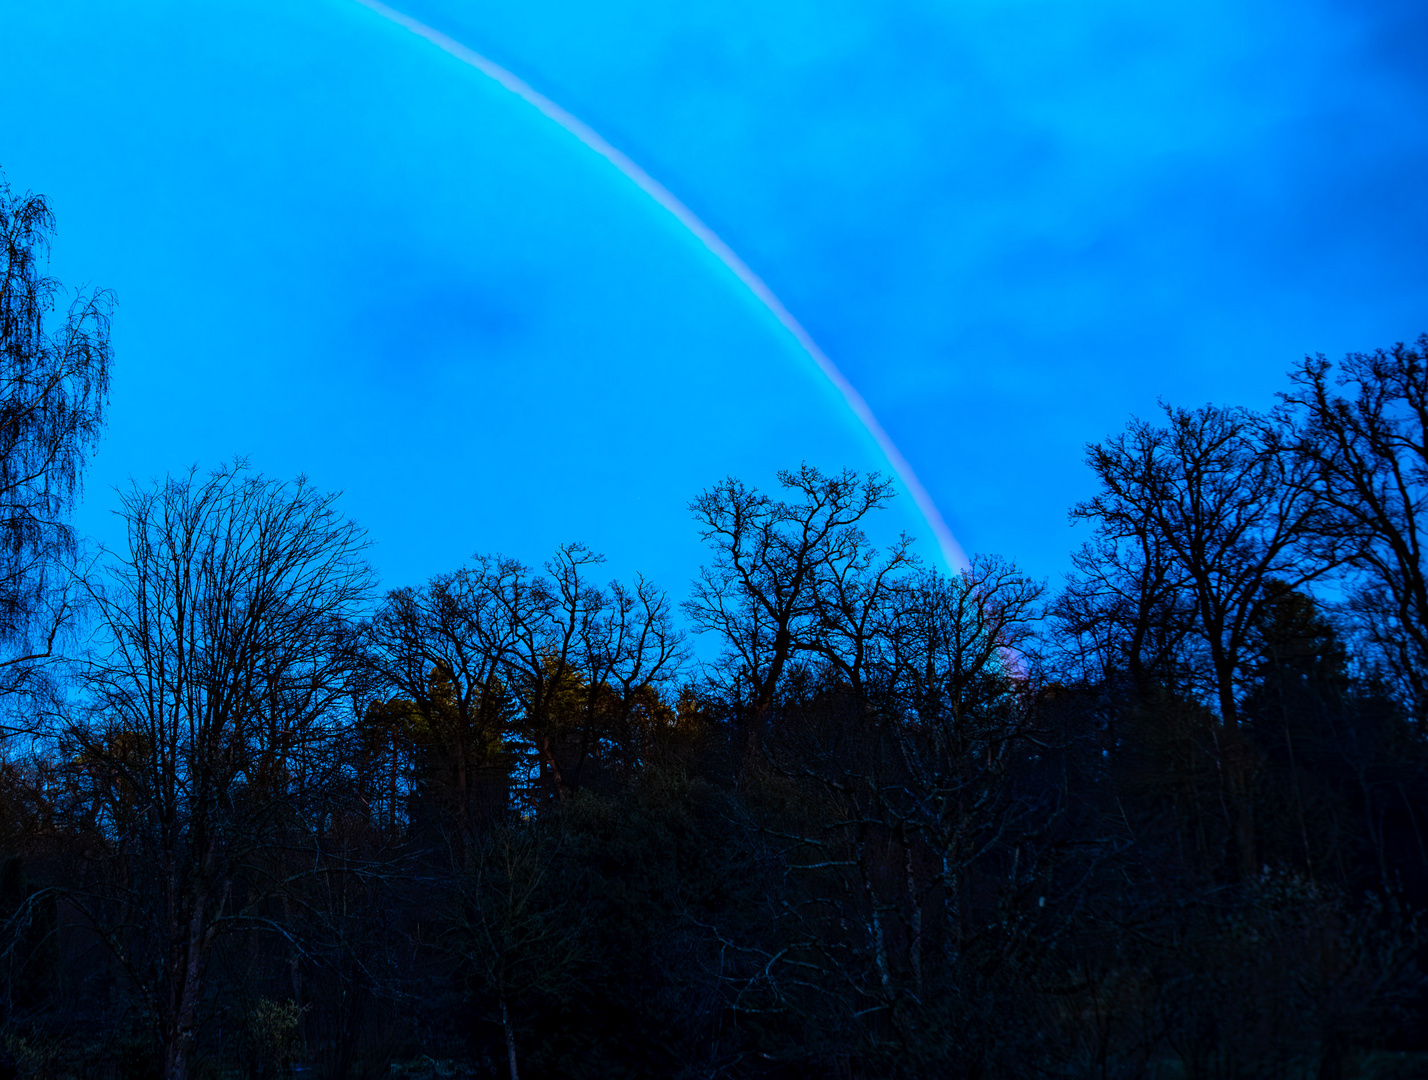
pixel 54 384
pixel 223 654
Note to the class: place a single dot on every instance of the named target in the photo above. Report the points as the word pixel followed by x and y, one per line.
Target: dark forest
pixel 839 814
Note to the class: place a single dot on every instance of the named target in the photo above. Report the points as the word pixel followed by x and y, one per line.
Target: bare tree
pixel 54 382
pixel 565 672
pixel 959 650
pixel 1368 444
pixel 442 649
pixel 1226 509
pixel 591 668
pixel 788 578
pixel 894 803
pixel 1215 507
pixel 957 641
pixel 223 652
pixel 1124 614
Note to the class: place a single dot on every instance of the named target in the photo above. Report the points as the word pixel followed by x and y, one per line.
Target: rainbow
pixel 952 552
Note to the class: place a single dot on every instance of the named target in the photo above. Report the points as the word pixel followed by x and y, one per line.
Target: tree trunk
pixel 1239 770
pixel 1239 766
pixel 510 1039
pixel 915 920
pixel 185 1001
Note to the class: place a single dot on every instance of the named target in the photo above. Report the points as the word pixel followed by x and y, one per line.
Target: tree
pixel 1368 447
pixel 587 667
pixel 514 936
pixel 789 579
pixel 1228 508
pixel 549 662
pixel 957 642
pixel 891 803
pixel 54 383
pixel 1124 615
pixel 1216 508
pixel 223 652
pixel 441 649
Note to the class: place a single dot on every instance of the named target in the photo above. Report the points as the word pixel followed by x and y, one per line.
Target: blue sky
pixel 1011 225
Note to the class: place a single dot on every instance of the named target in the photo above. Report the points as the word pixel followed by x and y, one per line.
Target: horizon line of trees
pixel 1167 821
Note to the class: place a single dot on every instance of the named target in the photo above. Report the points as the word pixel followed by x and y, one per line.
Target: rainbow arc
pixel 951 551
